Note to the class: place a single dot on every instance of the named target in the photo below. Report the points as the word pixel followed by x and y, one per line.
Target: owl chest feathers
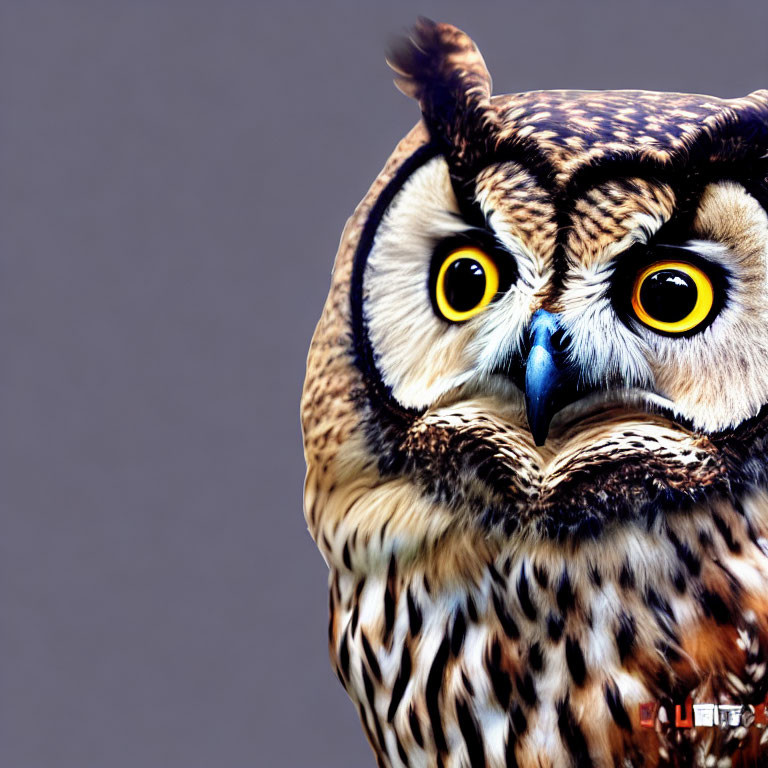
pixel 480 654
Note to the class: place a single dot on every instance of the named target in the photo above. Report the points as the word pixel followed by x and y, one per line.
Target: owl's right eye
pixel 467 281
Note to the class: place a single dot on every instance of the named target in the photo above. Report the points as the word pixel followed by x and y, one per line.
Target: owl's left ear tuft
pixel 440 67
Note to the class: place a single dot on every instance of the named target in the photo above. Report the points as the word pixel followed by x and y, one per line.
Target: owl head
pixel 548 316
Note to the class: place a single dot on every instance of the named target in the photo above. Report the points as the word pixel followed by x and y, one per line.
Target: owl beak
pixel 545 373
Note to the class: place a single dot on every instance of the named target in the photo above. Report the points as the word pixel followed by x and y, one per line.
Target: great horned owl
pixel 535 426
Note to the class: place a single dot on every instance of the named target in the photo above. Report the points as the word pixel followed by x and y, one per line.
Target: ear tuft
pixel 440 67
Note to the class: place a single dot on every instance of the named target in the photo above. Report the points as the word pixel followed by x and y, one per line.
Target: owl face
pixel 551 314
pixel 557 301
pixel 642 317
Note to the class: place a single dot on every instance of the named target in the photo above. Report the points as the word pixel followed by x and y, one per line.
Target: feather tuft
pixel 439 66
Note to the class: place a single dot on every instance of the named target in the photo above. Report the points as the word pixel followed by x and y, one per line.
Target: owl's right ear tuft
pixel 442 68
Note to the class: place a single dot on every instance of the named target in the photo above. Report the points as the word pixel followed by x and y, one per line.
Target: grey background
pixel 174 177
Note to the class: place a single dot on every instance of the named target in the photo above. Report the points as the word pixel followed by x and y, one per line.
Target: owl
pixel 535 422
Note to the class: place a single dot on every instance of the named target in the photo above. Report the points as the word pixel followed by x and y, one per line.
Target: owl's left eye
pixel 467 280
pixel 672 297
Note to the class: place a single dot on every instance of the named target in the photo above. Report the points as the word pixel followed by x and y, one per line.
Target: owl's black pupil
pixel 668 295
pixel 464 284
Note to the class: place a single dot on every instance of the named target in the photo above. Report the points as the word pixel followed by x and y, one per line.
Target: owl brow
pixel 519 151
pixel 733 147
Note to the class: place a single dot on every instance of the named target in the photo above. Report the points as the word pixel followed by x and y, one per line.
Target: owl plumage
pixel 550 508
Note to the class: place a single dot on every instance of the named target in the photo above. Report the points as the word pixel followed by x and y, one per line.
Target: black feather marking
pixel 471 734
pixel 495 575
pixel 575 659
pixel 519 720
pixel 370 696
pixel 684 553
pixel 432 695
pixel 509 748
pixel 401 682
pixel 335 588
pixel 471 609
pixel 502 685
pixel 524 595
pixel 663 682
pixel 511 526
pixel 535 658
pixel 526 689
pixel 663 611
pixel 555 625
pixel 733 545
pixel 368 686
pixel 572 735
pixel 506 621
pixel 715 606
pixel 389 601
pixel 692 562
pixel 346 559
pixel 401 751
pixel 331 617
pixel 458 633
pixel 344 656
pixel 625 635
pixel 627 576
pixel 370 657
pixel 413 722
pixel 565 597
pixel 541 575
pixel 368 732
pixel 616 706
pixel 467 684
pixel 414 615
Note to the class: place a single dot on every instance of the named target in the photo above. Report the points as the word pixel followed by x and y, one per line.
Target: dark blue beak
pixel 546 379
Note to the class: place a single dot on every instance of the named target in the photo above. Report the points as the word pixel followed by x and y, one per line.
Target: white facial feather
pixel 422 358
pixel 408 339
pixel 716 378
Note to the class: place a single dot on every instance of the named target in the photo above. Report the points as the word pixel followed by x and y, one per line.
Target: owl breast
pixel 546 657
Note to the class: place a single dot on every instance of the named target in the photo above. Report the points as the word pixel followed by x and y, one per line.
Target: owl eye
pixel 467 281
pixel 672 296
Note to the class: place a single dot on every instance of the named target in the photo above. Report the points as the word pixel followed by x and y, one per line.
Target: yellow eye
pixel 672 296
pixel 467 281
